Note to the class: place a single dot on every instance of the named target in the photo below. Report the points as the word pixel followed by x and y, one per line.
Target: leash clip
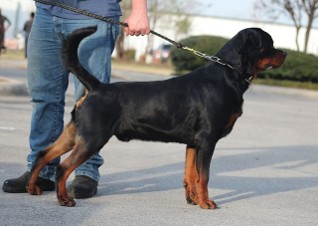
pixel 195 52
pixel 219 61
pixel 249 80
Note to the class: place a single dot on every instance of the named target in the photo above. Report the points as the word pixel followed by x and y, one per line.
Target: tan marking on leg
pixel 62 145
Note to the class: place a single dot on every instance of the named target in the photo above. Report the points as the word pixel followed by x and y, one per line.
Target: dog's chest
pixel 233 119
pixel 229 126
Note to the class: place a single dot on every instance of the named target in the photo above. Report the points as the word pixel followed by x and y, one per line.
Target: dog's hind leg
pixel 82 151
pixel 63 171
pixel 62 145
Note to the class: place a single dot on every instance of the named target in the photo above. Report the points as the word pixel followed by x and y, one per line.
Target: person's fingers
pixel 126 30
pixel 137 30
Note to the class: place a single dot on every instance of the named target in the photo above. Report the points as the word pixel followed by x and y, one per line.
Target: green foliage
pixel 187 61
pixel 297 66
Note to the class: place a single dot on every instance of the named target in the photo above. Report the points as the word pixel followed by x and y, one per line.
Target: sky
pixel 232 8
pixel 242 9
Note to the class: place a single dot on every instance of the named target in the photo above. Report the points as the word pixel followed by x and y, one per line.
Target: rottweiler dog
pixel 196 109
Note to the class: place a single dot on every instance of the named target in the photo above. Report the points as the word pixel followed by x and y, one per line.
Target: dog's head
pixel 251 51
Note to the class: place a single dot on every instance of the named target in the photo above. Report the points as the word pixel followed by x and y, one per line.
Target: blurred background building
pixel 173 25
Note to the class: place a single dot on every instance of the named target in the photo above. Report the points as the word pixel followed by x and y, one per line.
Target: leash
pixel 110 20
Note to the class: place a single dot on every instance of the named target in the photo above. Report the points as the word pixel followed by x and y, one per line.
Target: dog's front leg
pixel 204 156
pixel 203 164
pixel 196 177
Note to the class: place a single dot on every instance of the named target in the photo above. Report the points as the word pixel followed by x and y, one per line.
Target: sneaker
pixel 82 187
pixel 18 185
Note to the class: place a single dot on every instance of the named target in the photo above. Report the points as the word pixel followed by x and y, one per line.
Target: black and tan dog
pixel 196 109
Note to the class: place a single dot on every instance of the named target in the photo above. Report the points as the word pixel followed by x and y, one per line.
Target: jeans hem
pixel 82 173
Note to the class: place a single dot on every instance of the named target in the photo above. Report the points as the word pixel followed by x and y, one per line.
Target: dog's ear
pixel 250 38
pixel 253 44
pixel 240 45
pixel 254 37
pixel 243 49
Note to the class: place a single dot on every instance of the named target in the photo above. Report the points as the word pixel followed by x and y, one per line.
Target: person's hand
pixel 138 22
pixel 7 28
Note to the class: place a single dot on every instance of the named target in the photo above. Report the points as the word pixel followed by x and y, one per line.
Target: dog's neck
pixel 244 77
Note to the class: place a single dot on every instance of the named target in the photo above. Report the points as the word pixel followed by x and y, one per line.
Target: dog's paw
pixel 190 193
pixel 208 204
pixel 65 200
pixel 34 190
pixel 191 197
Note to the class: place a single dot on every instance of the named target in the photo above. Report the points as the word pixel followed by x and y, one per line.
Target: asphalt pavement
pixel 264 173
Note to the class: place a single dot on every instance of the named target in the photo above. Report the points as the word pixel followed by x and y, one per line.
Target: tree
pixel 125 8
pixel 310 7
pixel 295 12
pixel 170 13
pixel 295 9
pixel 173 12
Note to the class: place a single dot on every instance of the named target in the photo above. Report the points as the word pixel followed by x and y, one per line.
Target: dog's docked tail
pixel 71 61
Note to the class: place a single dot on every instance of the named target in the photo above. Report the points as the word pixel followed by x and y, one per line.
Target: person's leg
pixel 48 81
pixel 26 47
pixel 95 55
pixel 1 40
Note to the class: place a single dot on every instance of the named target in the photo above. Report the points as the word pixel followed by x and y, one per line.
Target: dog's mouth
pixel 269 67
pixel 265 67
pixel 272 62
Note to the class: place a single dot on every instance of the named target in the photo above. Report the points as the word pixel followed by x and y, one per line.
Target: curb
pixel 10 87
pixel 286 91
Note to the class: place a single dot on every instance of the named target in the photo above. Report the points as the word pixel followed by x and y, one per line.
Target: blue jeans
pixel 48 80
